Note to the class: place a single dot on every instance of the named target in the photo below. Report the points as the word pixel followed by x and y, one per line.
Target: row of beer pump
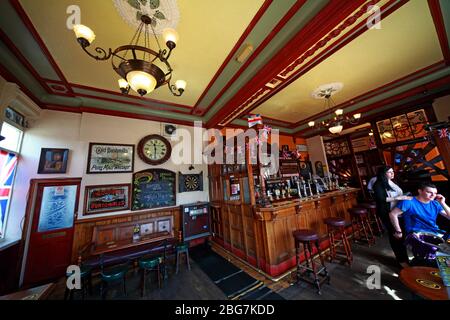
pixel 298 187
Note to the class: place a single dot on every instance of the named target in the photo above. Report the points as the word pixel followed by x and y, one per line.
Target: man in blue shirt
pixel 420 212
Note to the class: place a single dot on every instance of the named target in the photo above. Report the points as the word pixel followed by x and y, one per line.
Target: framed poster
pixel 110 158
pixel 57 207
pixel 53 160
pixel 154 188
pixel 107 198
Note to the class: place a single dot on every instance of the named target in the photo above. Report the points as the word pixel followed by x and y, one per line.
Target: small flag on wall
pixel 254 119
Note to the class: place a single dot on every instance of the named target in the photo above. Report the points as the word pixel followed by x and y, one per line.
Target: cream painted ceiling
pixel 208 31
pixel 406 43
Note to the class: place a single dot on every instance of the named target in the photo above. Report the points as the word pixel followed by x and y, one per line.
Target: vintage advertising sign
pixel 110 158
pixel 106 198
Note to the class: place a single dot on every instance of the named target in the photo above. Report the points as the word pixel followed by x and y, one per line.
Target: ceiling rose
pixel 325 91
pixel 164 13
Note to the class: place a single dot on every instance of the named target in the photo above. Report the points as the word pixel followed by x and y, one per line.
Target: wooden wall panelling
pixel 84 228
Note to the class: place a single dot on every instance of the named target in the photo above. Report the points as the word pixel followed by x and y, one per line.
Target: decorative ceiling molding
pixel 336 33
pixel 164 14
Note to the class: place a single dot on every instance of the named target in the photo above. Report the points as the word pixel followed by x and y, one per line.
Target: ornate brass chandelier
pixel 334 125
pixel 139 67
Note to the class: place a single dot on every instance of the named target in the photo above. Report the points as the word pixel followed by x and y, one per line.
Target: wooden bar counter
pixel 263 236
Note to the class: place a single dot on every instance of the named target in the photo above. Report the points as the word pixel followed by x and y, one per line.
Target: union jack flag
pixel 254 119
pixel 8 163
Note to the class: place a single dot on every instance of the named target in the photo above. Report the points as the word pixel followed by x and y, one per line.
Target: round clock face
pixel 154 149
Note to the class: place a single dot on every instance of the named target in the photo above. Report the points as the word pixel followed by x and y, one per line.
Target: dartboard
pixel 191 183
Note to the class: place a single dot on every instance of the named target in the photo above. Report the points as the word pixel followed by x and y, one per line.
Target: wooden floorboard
pixel 347 283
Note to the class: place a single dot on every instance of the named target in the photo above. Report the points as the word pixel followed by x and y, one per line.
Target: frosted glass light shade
pixel 311 123
pixel 123 84
pixel 336 129
pixel 180 85
pixel 357 116
pixel 141 82
pixel 339 112
pixel 84 32
pixel 171 35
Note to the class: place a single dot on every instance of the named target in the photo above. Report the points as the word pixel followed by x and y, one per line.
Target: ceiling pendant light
pixel 139 67
pixel 334 125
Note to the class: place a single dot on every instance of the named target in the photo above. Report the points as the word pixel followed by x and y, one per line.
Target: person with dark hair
pixel 421 212
pixel 387 194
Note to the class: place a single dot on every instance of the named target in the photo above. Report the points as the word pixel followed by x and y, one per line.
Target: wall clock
pixel 154 149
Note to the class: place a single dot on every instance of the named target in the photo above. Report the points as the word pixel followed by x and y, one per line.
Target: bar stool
pixel 86 282
pixel 336 228
pixel 180 249
pixel 147 265
pixel 113 274
pixel 373 217
pixel 360 219
pixel 308 238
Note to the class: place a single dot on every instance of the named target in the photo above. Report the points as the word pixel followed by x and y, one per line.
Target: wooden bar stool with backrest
pixel 111 275
pixel 336 229
pixel 373 217
pixel 148 264
pixel 86 283
pixel 360 220
pixel 180 249
pixel 308 238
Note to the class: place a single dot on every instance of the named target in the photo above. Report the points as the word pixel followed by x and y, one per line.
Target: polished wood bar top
pixel 425 282
pixel 288 203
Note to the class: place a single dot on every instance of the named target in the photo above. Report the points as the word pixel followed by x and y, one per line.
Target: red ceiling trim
pixel 130 103
pixel 11 46
pixel 56 107
pixel 390 7
pixel 236 47
pixel 29 25
pixel 135 116
pixel 438 19
pixel 414 91
pixel 294 9
pixel 380 90
pixel 375 116
pixel 169 104
pixel 356 32
pixel 8 76
pixel 333 14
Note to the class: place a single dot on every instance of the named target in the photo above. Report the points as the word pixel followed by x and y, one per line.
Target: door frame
pixel 29 215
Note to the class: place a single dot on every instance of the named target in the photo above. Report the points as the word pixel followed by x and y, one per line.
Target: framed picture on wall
pixel 107 198
pixel 53 161
pixel 110 158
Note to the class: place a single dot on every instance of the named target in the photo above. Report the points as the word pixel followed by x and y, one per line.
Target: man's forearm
pixel 446 209
pixel 393 215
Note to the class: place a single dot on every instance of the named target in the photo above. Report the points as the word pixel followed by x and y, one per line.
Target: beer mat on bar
pixel 234 282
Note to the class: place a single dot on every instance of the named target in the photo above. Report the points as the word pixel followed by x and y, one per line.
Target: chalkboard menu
pixel 154 188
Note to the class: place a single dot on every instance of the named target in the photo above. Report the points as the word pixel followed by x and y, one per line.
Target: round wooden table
pixel 425 282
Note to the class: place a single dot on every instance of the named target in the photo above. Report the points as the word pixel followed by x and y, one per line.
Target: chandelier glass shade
pixel 334 125
pixel 139 67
